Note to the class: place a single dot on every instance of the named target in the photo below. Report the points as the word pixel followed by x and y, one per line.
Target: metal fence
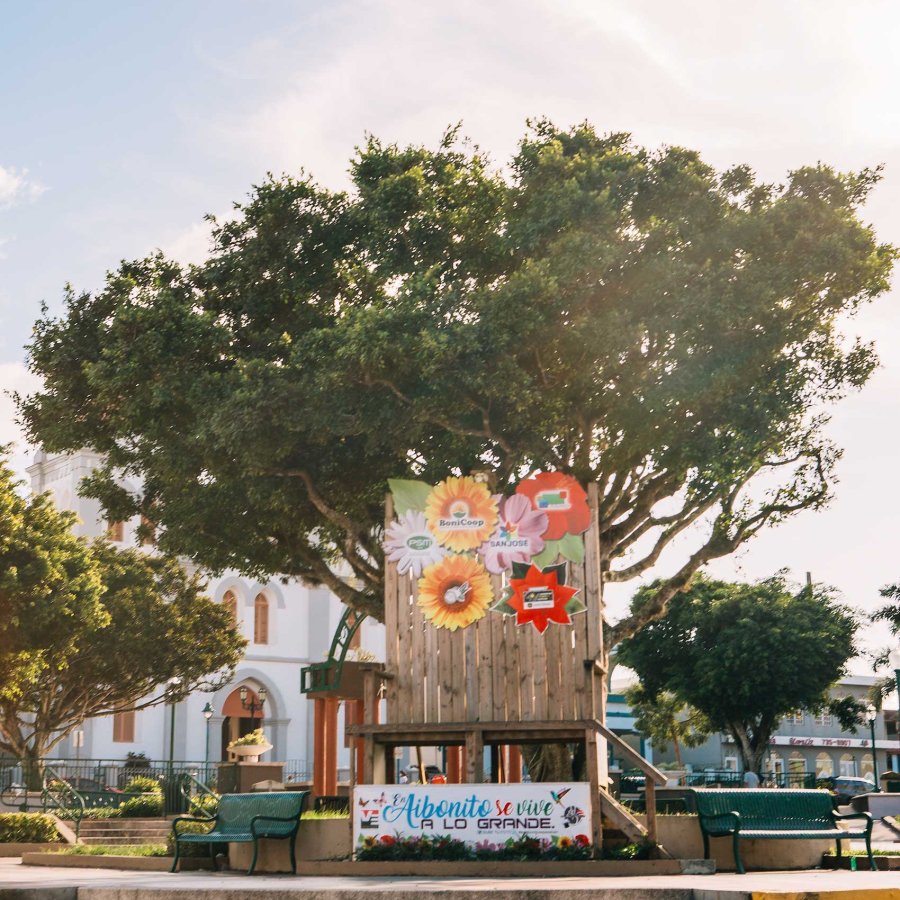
pixel 632 781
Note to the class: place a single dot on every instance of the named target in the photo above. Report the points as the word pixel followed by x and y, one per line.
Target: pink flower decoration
pixel 518 536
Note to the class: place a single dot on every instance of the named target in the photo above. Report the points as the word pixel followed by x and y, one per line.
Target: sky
pixel 123 123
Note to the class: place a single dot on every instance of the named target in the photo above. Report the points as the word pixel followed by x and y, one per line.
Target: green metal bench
pixel 243 818
pixel 774 815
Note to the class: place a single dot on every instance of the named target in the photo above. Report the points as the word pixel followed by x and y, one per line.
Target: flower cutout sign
pixel 540 597
pixel 562 499
pixel 461 513
pixel 517 537
pixel 411 545
pixel 455 592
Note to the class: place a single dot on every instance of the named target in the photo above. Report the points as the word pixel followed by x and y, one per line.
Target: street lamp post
pixel 871 716
pixel 170 799
pixel 207 714
pixel 253 704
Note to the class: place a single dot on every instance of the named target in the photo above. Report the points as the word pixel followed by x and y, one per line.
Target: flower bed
pixel 524 849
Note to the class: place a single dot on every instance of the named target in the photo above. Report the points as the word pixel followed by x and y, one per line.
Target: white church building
pixel 286 625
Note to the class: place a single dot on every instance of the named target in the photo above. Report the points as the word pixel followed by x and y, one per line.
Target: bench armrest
pixel 855 815
pixel 734 817
pixel 178 819
pixel 256 819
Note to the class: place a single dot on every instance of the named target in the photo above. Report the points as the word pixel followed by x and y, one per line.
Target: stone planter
pixel 884 863
pixel 7 850
pixel 133 863
pixel 317 840
pixel 680 835
pixel 251 752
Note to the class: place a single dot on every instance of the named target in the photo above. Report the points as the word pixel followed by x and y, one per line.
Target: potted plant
pixel 251 746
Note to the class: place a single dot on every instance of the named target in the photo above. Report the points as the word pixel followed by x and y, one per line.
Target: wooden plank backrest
pixel 495 670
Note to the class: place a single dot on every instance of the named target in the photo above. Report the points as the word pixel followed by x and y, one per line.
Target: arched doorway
pixel 237 721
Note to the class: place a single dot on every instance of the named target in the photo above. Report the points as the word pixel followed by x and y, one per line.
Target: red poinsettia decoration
pixel 562 498
pixel 540 598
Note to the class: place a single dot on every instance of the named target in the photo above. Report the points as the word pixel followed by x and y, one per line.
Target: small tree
pixel 665 719
pixel 745 655
pixel 88 630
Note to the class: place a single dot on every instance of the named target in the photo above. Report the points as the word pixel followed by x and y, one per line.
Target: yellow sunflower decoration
pixel 461 513
pixel 455 592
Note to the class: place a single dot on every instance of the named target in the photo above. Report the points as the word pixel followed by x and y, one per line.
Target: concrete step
pixel 125 831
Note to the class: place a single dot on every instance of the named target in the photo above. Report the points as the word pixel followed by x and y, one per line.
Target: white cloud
pixel 17 187
pixel 190 246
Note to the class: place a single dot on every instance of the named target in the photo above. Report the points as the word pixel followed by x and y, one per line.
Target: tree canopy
pixel 634 317
pixel 745 655
pixel 88 630
pixel 665 719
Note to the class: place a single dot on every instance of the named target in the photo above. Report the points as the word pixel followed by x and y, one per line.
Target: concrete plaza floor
pixel 18 882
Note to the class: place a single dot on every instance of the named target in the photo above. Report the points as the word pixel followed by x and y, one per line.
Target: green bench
pixel 243 818
pixel 774 815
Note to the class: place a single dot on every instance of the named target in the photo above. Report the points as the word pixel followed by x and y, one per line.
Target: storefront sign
pixel 849 743
pixel 479 814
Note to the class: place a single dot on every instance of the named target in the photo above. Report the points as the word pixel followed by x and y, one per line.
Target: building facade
pixel 286 625
pixel 806 742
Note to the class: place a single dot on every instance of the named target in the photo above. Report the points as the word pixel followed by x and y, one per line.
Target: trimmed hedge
pixel 28 828
pixel 142 806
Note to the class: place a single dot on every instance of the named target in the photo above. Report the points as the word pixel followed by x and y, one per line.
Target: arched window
pixel 824 766
pixel 847 765
pixel 123 727
pixel 115 531
pixel 261 619
pixel 229 601
pixel 867 767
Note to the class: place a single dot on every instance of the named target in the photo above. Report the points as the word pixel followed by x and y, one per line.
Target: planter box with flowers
pixel 251 746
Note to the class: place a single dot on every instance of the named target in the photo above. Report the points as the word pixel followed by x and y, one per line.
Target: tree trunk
pixel 548 762
pixel 32 768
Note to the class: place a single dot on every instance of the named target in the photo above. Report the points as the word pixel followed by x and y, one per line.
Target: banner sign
pixel 479 814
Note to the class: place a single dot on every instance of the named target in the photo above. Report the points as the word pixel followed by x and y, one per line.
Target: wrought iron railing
pixel 62 798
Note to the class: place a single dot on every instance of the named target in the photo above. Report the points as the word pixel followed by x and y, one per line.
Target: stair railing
pixel 195 792
pixel 58 794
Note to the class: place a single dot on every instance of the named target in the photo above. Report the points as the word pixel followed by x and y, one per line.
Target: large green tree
pixel 745 655
pixel 662 329
pixel 88 630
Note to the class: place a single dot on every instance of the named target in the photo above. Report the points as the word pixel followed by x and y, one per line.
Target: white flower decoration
pixel 411 545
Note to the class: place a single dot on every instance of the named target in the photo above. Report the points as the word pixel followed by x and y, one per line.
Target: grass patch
pixel 862 852
pixel 116 850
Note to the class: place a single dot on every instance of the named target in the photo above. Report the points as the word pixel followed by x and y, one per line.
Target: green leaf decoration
pixel 547 555
pixel 572 547
pixel 575 606
pixel 408 495
pixel 502 605
pixel 520 569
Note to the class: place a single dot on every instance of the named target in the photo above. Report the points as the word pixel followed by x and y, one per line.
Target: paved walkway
pixel 18 882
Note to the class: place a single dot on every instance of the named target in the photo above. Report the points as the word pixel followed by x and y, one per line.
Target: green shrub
pixel 28 828
pixel 190 849
pixel 117 850
pixel 204 805
pixel 142 806
pixel 142 784
pixel 102 812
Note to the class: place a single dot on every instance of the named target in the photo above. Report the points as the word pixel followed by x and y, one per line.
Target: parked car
pixel 845 787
